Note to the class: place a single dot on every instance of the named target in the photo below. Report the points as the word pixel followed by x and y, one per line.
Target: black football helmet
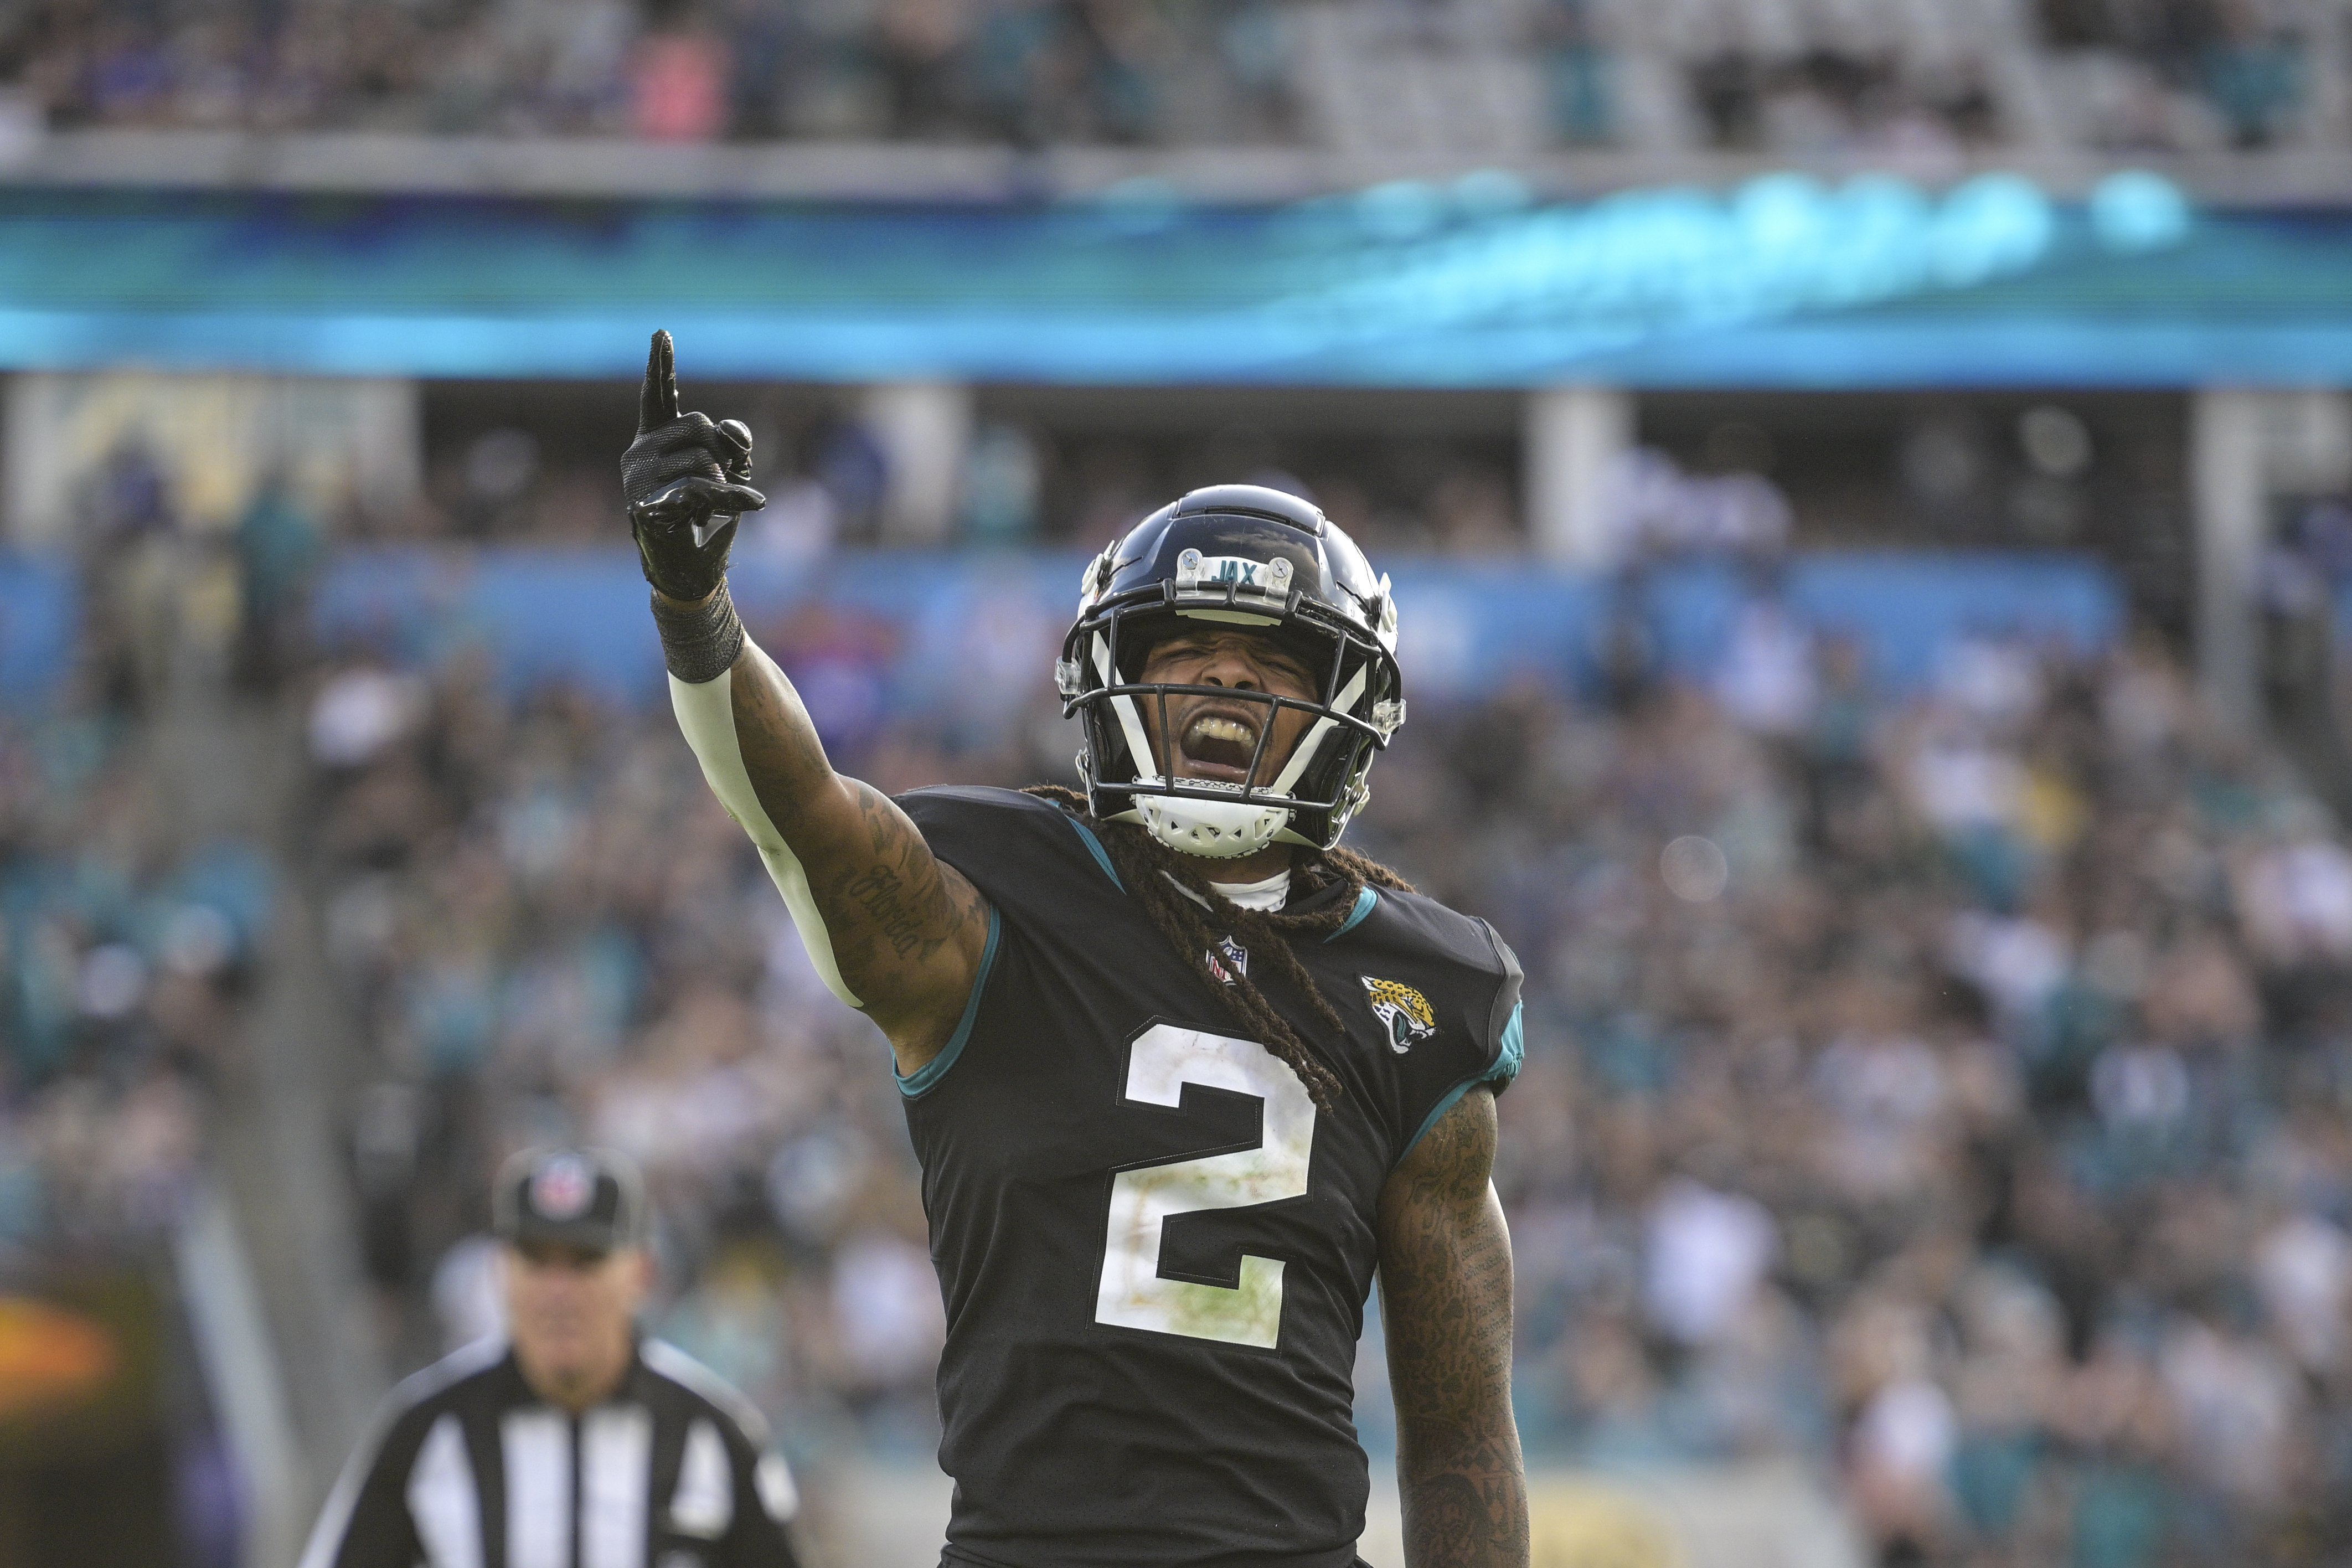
pixel 1250 556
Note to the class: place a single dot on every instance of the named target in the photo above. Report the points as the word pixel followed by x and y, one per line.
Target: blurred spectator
pixel 678 86
pixel 276 545
pixel 1577 80
pixel 1707 1253
pixel 1000 486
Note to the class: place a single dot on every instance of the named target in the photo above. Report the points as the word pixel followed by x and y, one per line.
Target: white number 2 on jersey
pixel 1163 1059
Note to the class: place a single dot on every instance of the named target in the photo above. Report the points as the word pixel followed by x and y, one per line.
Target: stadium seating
pixel 1496 81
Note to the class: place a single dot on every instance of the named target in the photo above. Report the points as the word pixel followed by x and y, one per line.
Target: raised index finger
pixel 657 403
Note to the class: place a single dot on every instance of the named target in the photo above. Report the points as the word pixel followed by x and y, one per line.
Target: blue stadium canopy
pixel 1784 282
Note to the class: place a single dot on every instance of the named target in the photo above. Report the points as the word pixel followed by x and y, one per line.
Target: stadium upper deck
pixel 1233 98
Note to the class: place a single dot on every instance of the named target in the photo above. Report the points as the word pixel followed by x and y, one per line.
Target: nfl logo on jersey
pixel 1235 955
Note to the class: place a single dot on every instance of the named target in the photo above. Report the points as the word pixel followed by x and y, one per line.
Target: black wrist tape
pixel 700 641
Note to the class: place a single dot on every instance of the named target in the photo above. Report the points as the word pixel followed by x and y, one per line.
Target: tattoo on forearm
pixel 889 907
pixel 781 748
pixel 1450 1518
pixel 1444 1518
pixel 1445 1271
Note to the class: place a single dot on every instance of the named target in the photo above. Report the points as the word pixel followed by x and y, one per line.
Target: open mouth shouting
pixel 1217 742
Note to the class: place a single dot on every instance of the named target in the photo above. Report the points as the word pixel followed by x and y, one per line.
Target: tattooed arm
pixel 895 931
pixel 891 928
pixel 1446 1301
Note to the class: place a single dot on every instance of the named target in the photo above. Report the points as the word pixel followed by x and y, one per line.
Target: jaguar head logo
pixel 1402 1011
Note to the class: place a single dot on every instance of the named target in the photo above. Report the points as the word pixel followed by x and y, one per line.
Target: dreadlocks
pixel 1153 875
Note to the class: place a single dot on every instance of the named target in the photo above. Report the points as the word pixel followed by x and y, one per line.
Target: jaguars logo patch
pixel 1404 1012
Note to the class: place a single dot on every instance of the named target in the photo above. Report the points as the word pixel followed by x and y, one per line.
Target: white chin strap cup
pixel 1213 830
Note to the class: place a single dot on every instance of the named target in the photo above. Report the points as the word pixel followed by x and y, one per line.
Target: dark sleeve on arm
pixel 1501 1039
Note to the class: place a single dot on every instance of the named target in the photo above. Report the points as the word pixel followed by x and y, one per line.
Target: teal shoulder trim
pixel 1094 846
pixel 1512 1050
pixel 925 1077
pixel 1366 901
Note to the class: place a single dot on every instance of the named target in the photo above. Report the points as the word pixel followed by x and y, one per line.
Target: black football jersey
pixel 1154 1250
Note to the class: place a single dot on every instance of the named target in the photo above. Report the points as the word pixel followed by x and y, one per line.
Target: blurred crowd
pixel 1957 1093
pixel 1908 81
pixel 129 945
pixel 1951 1091
pixel 1921 84
pixel 1022 71
pixel 2160 75
pixel 830 481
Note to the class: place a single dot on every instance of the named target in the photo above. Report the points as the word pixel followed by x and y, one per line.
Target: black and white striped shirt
pixel 467 1468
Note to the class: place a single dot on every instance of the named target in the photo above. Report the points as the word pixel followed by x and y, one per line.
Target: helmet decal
pixel 1272 576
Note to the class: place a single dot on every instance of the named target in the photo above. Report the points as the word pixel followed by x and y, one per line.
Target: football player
pixel 1183 1073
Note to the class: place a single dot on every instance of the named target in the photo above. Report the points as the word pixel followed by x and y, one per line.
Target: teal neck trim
pixel 919 1082
pixel 1094 846
pixel 1366 901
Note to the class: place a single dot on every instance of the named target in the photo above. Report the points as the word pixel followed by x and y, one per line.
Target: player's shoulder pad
pixel 1416 928
pixel 705 1388
pixel 1416 925
pixel 982 831
pixel 975 802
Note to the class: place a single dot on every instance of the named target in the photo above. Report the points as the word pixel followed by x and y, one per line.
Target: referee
pixel 575 1442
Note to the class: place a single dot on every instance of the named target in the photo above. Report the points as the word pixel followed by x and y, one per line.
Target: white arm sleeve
pixel 707 714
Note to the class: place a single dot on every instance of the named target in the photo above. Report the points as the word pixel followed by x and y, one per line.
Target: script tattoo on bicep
pixel 881 893
pixel 1447 1283
pixel 902 900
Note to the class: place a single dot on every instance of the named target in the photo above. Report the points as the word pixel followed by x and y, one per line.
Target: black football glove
pixel 683 479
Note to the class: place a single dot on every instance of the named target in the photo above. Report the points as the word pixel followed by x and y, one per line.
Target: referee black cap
pixel 593 1199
